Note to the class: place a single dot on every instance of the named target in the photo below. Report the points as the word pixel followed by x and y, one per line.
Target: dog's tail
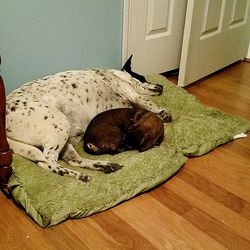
pixel 29 152
pixel 127 67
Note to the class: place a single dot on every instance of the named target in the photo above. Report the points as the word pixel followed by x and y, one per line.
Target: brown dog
pixel 121 129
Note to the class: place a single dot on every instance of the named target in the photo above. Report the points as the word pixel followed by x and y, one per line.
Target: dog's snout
pixel 159 88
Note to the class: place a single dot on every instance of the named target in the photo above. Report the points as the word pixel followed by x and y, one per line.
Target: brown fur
pixel 121 129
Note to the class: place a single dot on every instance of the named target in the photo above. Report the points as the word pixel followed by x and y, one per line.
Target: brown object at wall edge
pixel 5 152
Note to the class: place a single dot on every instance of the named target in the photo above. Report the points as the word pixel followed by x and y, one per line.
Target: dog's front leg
pixel 143 101
pixel 70 155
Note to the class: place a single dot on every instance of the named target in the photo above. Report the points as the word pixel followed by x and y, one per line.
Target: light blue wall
pixel 41 37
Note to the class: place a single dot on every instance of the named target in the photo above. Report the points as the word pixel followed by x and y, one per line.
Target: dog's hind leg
pixel 27 151
pixel 70 155
pixel 36 155
pixel 51 153
pixel 54 143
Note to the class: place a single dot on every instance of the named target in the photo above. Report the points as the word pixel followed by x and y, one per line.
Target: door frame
pixel 126 29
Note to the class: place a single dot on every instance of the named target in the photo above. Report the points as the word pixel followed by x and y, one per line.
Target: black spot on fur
pixel 17 102
pixel 57 147
pixel 74 85
pixel 60 172
pixel 99 92
pixel 13 108
pixel 45 117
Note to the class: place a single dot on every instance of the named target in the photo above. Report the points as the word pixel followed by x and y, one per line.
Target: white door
pixel 216 34
pixel 153 31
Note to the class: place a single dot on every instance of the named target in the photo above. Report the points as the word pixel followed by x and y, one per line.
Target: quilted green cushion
pixel 195 130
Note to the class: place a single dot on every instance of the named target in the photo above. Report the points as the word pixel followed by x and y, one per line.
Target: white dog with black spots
pixel 45 117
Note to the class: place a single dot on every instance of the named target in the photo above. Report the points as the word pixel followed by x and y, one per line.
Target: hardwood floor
pixel 206 205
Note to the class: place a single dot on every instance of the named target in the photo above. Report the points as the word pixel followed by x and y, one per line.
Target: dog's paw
pixel 165 116
pixel 84 178
pixel 109 167
pixel 112 167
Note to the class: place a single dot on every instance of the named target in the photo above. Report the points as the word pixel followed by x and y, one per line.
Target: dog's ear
pixel 146 143
pixel 127 67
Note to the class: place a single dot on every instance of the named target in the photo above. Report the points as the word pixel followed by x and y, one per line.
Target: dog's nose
pixel 159 88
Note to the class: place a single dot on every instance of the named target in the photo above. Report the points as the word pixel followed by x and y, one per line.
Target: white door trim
pixel 126 29
pixel 185 42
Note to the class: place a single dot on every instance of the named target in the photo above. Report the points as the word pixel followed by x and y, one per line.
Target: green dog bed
pixel 195 130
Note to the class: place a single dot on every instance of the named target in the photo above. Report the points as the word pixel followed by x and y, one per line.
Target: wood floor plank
pixel 63 238
pixel 216 230
pixel 163 227
pixel 16 225
pixel 216 192
pixel 231 107
pixel 232 174
pixel 108 232
pixel 125 236
pixel 206 202
pixel 93 236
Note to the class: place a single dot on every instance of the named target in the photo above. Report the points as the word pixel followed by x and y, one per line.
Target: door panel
pixel 216 34
pixel 158 19
pixel 213 18
pixel 153 34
